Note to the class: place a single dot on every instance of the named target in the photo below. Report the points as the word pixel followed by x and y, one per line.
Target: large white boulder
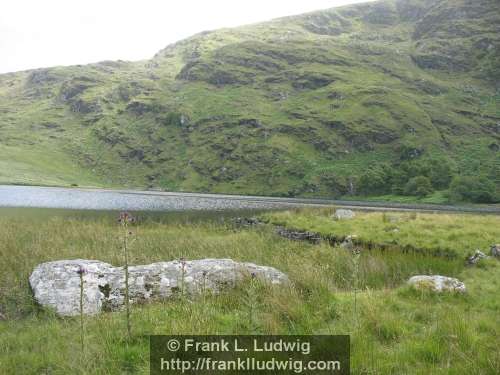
pixel 57 284
pixel 437 283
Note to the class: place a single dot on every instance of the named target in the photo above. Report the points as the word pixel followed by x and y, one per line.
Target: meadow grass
pixel 394 330
pixel 453 234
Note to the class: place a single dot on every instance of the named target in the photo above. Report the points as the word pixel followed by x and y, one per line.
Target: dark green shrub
pixel 375 181
pixel 419 186
pixel 409 151
pixel 337 185
pixel 473 189
pixel 439 172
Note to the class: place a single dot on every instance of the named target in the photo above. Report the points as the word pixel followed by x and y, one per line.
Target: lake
pixel 54 199
pixel 44 202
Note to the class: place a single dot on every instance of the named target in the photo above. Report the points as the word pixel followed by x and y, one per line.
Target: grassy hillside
pixel 352 100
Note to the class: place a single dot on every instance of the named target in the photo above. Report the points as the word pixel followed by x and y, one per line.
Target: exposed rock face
pixel 85 107
pixel 495 250
pixel 57 284
pixel 327 23
pixel 70 90
pixel 42 77
pixel 342 214
pixel 437 283
pixel 311 81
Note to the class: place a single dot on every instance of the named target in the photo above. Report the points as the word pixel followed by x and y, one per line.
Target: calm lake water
pixel 31 199
pixel 108 200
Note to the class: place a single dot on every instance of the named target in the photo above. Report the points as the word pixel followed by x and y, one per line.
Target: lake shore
pixel 333 291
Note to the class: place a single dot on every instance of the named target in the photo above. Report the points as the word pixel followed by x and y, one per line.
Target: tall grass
pixel 125 220
pixel 394 330
pixel 448 234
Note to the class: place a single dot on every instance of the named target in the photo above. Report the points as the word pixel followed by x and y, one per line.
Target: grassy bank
pixel 393 329
pixel 453 234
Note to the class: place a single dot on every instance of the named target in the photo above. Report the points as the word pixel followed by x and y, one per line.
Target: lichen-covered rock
pixel 437 283
pixel 57 284
pixel 474 259
pixel 343 214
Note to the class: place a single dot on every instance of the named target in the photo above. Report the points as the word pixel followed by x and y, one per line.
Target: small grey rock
pixel 348 242
pixel 495 250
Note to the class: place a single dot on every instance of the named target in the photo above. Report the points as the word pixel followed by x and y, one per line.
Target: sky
pixel 42 33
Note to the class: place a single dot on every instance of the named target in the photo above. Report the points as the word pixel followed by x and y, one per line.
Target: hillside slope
pixel 351 100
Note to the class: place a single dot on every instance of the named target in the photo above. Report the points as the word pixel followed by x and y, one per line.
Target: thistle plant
pixel 204 285
pixel 250 302
pixel 126 220
pixel 356 252
pixel 81 271
pixel 183 275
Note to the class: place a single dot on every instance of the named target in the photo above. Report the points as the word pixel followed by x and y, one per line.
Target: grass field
pixel 394 330
pixel 450 234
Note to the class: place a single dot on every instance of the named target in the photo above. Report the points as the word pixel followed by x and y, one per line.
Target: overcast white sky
pixel 41 33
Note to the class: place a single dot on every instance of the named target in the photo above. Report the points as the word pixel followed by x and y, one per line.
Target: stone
pixel 343 214
pixel 474 259
pixel 298 235
pixel 348 242
pixel 57 284
pixel 495 251
pixel 437 283
pixel 246 221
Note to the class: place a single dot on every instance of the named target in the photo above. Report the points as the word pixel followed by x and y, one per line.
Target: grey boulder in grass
pixel 476 257
pixel 57 284
pixel 343 214
pixel 437 283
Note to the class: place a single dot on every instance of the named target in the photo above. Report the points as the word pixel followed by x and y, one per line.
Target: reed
pixel 393 329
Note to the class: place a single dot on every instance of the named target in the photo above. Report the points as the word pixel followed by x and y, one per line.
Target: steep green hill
pixel 351 100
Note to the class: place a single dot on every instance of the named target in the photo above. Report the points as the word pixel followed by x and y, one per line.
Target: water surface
pixel 100 199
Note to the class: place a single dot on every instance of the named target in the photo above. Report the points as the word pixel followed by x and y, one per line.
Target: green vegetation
pixel 393 329
pixel 449 234
pixel 357 100
pixel 471 189
pixel 420 186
